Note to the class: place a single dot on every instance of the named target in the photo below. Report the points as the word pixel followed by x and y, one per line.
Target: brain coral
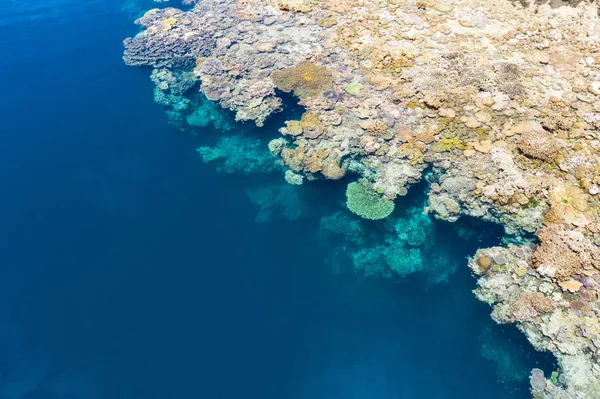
pixel 366 203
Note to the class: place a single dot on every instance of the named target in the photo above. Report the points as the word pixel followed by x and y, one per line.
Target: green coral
pixel 367 203
pixel 354 88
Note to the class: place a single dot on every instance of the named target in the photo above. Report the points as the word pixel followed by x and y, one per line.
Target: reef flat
pixel 495 104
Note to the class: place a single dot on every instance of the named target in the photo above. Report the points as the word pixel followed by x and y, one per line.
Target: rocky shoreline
pixel 498 101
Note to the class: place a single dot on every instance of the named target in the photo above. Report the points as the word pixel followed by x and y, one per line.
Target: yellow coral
pixel 327 22
pixel 294 158
pixel 305 79
pixel 411 152
pixel 448 144
pixel 169 21
pixel 293 128
pixel 309 121
pixel 391 61
pixel 296 6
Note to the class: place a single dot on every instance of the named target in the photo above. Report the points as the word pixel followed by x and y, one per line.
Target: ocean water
pixel 132 269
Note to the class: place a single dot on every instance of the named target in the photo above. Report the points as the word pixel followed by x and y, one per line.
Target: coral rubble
pixel 499 100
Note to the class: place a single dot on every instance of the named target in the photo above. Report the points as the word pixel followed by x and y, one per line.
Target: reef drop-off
pixel 495 104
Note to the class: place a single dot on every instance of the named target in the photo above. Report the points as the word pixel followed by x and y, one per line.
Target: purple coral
pixel 520 252
pixel 162 45
pixel 499 259
pixel 590 283
pixel 212 66
pixel 537 380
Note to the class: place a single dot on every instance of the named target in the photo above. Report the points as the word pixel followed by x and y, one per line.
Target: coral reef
pixel 498 101
pixel 556 314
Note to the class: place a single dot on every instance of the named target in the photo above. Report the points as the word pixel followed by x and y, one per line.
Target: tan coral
pixel 569 204
pixel 301 6
pixel 530 305
pixel 332 169
pixel 565 253
pixel 539 144
pixel 304 80
pixel 377 128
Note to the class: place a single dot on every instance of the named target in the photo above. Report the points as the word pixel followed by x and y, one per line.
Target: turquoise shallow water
pixel 132 269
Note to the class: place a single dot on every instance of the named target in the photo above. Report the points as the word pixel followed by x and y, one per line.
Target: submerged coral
pixel 209 114
pixel 239 154
pixel 505 354
pixel 499 101
pixel 403 244
pixel 350 228
pixel 277 201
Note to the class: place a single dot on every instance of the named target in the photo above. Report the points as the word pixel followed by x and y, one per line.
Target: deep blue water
pixel 130 269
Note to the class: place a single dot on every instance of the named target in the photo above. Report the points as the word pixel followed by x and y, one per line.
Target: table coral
pixel 364 202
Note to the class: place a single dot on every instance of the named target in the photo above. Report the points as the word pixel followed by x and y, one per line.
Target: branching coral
pixel 366 203
pixel 505 354
pixel 370 262
pixel 388 260
pixel 403 261
pixel 305 79
pixel 391 60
